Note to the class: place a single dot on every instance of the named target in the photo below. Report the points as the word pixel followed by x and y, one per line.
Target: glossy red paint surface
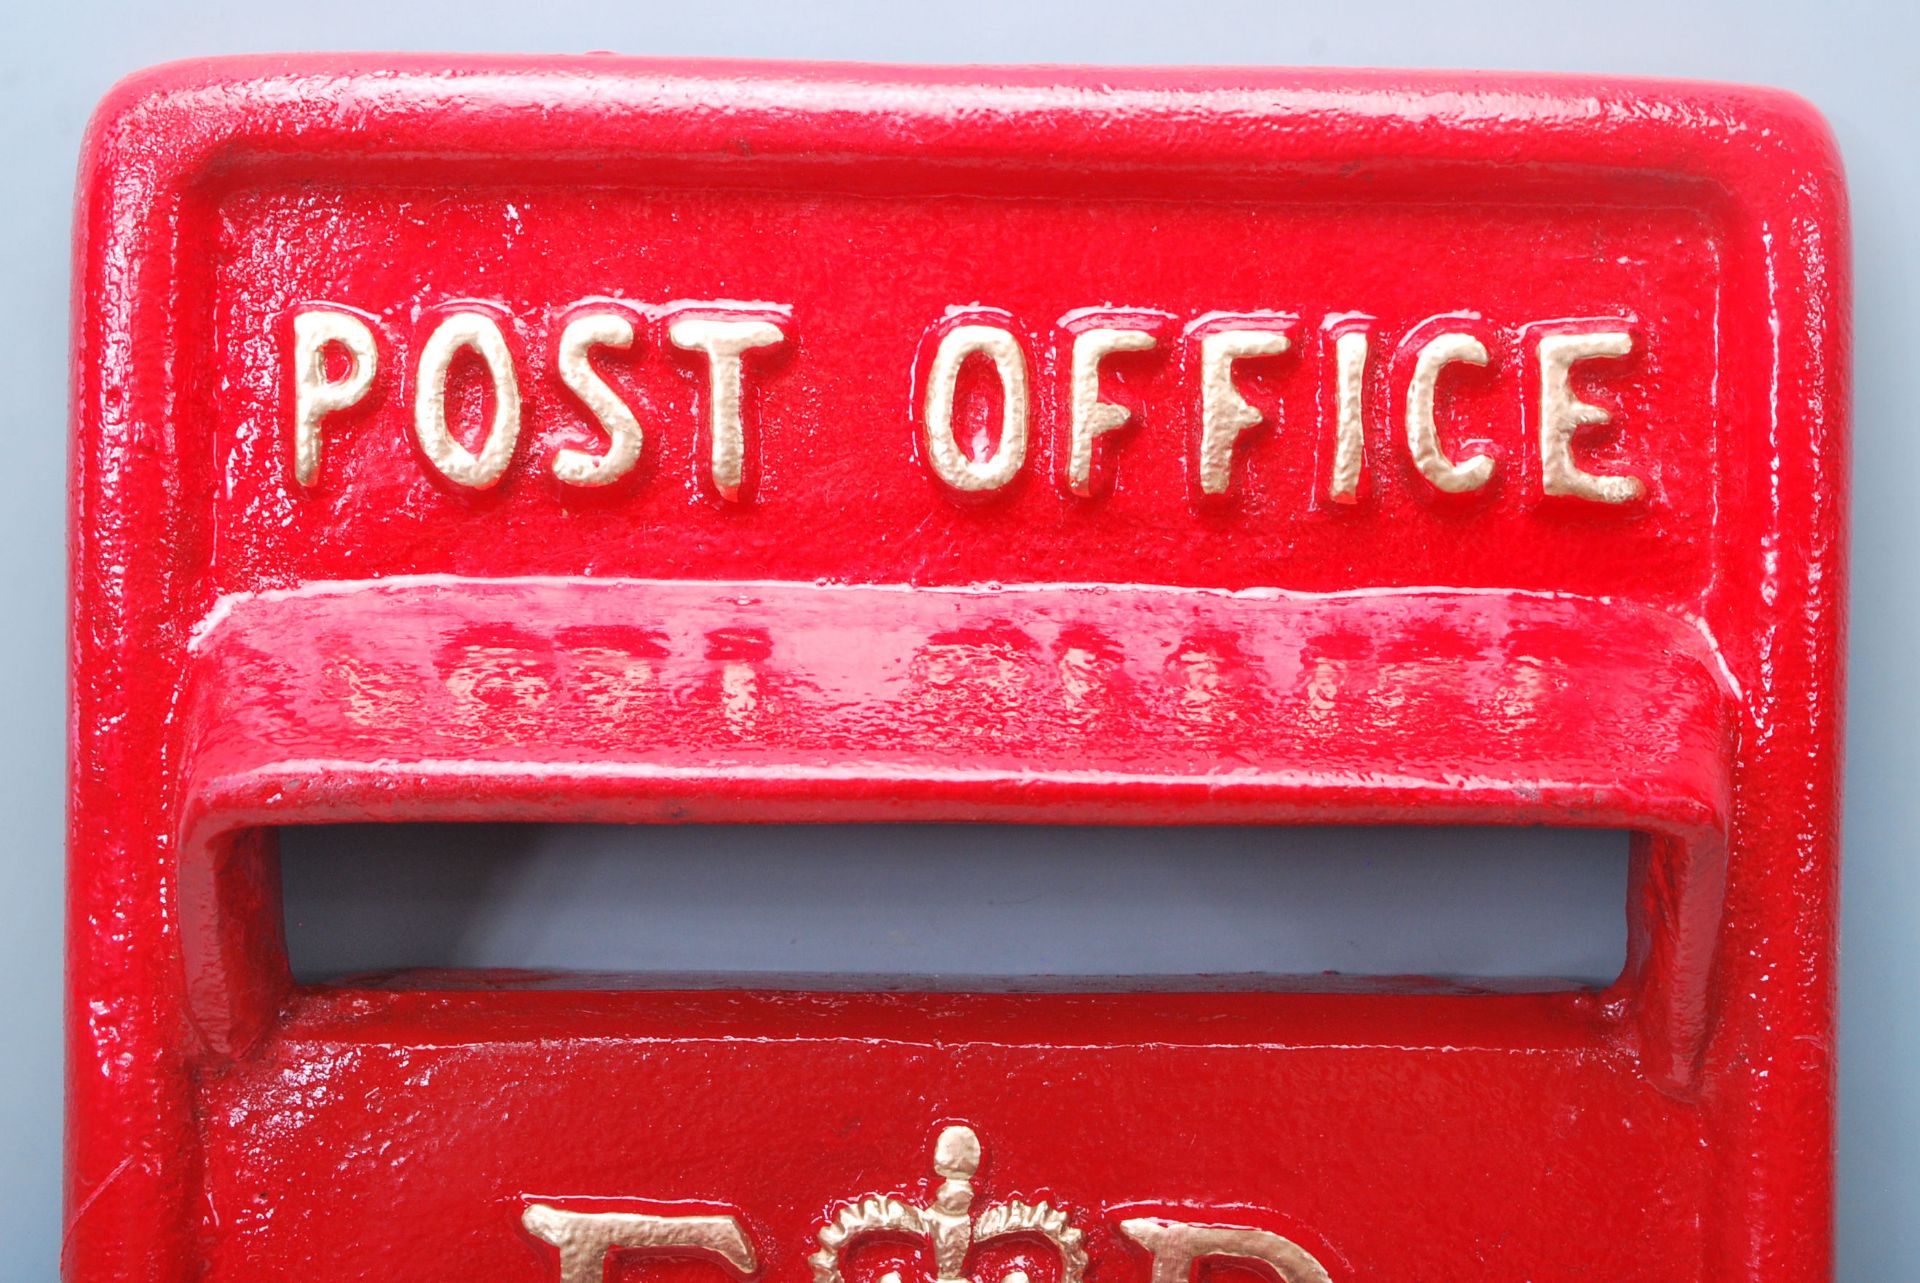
pixel 849 639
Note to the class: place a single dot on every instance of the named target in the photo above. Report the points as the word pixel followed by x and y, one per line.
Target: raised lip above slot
pixel 748 702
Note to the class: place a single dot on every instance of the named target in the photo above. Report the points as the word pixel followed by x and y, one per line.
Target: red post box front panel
pixel 595 440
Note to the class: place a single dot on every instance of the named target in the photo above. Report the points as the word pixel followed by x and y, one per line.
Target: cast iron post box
pixel 602 440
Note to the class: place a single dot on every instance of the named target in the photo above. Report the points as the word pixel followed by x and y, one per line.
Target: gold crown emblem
pixel 947 1223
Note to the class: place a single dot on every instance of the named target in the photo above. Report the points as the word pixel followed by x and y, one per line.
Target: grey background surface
pixel 1854 60
pixel 957 906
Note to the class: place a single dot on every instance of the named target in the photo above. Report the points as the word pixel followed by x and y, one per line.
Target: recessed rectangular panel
pixel 864 285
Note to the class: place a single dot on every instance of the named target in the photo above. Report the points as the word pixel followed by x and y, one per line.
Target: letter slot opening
pixel 955 906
